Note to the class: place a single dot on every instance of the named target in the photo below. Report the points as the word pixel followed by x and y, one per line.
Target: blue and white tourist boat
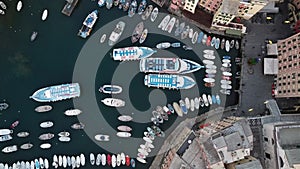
pixel 88 24
pixel 142 7
pixel 168 65
pixel 132 8
pixel 132 53
pixel 169 81
pixel 57 93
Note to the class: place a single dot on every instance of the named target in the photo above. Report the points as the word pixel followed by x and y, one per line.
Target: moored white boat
pixel 177 109
pixel 45 14
pixel 5 138
pixel 78 161
pixel 141 160
pixel 113 102
pixel 44 108
pixel 64 139
pixel 103 37
pixel 65 163
pixel 98 159
pixel 164 22
pixel 154 14
pixel 82 159
pixel 77 126
pixel 72 112
pixel 46 163
pixel 113 160
pixel 195 37
pixel 170 25
pixel 143 36
pixel 123 134
pixel 46 124
pixel 124 128
pixel 45 146
pixel 92 158
pixel 187 103
pixel 103 159
pixel 196 100
pixel 63 134
pixel 5 131
pixel 192 104
pixel 41 161
pixel 123 159
pixel 46 136
pixel 125 118
pixel 118 160
pixel 10 149
pixel 102 137
pixel 19 5
pixel 26 146
pixel 116 33
pixel 227 46
pixel 204 97
pixel 163 45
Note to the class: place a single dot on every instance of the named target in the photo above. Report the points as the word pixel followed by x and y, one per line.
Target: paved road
pixel 256 87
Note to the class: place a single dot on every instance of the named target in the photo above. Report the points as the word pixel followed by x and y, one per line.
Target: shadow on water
pixel 20 64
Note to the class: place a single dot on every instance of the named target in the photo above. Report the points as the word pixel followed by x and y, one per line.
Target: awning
pixel 272 49
pixel 270 66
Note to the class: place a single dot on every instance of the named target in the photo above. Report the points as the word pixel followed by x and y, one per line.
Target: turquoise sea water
pixel 59 56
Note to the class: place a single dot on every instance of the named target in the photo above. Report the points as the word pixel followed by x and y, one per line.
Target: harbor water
pixel 59 56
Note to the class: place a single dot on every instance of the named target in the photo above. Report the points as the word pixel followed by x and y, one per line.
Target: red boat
pixel 14 124
pixel 108 157
pixel 209 84
pixel 127 159
pixel 226 78
pixel 208 41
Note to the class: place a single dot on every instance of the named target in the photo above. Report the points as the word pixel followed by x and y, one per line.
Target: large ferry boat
pixel 88 24
pixel 116 34
pixel 169 81
pixel 168 65
pixel 132 53
pixel 57 93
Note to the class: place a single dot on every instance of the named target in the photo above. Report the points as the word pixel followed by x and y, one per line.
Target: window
pixel 268 156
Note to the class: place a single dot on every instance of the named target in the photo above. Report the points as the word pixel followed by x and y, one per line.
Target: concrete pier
pixel 69 7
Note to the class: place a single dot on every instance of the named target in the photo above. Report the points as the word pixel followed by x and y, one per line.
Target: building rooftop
pixel 293 156
pixel 230 7
pixel 211 153
pixel 234 141
pixel 252 164
pixel 289 137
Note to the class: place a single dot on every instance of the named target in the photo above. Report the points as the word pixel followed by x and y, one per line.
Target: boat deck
pixel 69 7
pixel 158 64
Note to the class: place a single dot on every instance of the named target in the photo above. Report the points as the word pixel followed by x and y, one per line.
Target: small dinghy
pixel 45 15
pixel 102 39
pixel 45 146
pixel 110 89
pixel 19 6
